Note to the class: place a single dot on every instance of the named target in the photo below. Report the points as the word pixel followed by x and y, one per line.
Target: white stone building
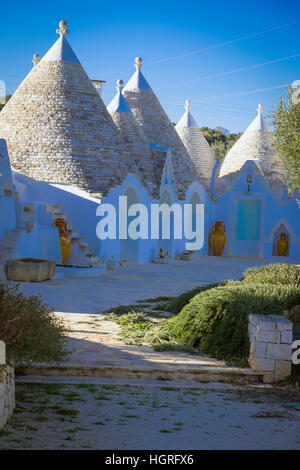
pixel 69 153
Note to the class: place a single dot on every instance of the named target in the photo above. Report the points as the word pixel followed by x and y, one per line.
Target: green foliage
pixel 123 309
pixel 216 320
pixel 219 148
pixel 213 319
pixel 176 304
pixel 31 331
pixel 279 273
pixel 7 98
pixel 219 142
pixel 286 120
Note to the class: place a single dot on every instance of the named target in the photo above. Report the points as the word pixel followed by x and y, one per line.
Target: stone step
pixel 29 225
pixel 92 258
pixel 28 207
pixel 85 249
pixel 29 215
pixel 59 215
pixel 8 242
pixel 82 241
pixel 74 233
pixel 52 207
pixel 159 372
pixel 7 250
pixel 12 233
pixel 74 240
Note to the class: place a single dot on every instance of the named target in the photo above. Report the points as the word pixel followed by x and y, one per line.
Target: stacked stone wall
pixel 7 388
pixel 271 339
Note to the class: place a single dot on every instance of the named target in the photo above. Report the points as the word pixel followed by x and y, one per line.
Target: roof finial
pixel 120 85
pixel 62 28
pixel 187 105
pixel 260 108
pixel 36 59
pixel 138 63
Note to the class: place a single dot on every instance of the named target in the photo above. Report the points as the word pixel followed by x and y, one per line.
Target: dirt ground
pixel 107 416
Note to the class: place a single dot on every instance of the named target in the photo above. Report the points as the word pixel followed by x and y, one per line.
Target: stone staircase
pixel 10 240
pixel 92 259
pixel 29 221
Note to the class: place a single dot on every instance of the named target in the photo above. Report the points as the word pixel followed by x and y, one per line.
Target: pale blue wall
pixel 273 213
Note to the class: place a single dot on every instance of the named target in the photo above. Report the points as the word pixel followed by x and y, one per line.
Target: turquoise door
pixel 248 220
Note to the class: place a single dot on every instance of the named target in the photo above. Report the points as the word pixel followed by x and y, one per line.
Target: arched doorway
pixel 129 248
pixel 166 243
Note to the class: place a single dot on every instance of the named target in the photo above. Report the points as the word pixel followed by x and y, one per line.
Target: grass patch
pixel 123 309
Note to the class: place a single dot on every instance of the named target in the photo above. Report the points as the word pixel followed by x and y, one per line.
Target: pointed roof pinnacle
pixel 259 123
pixel 62 31
pixel 36 59
pixel 187 119
pixel 120 86
pixel 138 63
pixel 137 81
pixel 119 104
pixel 61 50
pixel 187 105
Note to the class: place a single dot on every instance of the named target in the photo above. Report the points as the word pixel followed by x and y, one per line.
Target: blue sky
pixel 107 36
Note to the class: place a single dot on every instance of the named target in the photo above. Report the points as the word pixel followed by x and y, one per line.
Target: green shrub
pixel 30 329
pixel 216 320
pixel 176 304
pixel 278 273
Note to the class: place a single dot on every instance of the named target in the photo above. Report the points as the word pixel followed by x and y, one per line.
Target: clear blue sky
pixel 108 35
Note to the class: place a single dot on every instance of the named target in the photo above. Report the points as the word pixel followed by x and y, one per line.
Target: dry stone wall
pixel 159 130
pixel 200 152
pixel 271 339
pixel 58 129
pixel 7 388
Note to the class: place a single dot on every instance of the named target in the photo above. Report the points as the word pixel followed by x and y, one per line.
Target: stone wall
pixel 271 339
pixel 7 388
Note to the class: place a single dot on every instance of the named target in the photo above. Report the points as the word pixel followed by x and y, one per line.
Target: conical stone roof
pixel 256 143
pixel 58 129
pixel 158 128
pixel 197 146
pixel 134 136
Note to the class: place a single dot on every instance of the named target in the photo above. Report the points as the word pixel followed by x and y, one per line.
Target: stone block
pixel 30 270
pixel 279 351
pixel 282 370
pixel 286 337
pixel 252 330
pixel 261 364
pixel 282 323
pixel 267 336
pixel 262 322
pixel 2 353
pixel 258 349
pixel 268 377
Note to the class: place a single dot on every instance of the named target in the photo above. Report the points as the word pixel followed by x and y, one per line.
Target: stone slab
pixel 279 351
